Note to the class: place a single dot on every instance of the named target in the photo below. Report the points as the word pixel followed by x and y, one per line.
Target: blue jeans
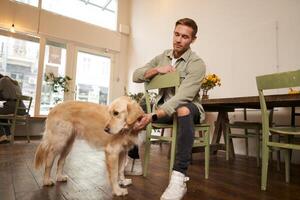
pixel 185 137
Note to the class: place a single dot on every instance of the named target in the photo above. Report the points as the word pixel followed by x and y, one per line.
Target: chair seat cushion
pixel 286 130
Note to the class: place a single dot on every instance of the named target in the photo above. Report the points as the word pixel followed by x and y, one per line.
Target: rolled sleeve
pixel 188 88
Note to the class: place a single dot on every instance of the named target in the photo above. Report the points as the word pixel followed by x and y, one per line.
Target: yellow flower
pixel 210 81
pixel 293 91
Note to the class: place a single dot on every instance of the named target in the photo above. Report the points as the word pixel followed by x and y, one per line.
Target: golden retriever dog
pixel 107 127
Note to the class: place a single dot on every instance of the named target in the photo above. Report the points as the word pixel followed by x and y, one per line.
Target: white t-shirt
pixel 170 93
pixel 173 62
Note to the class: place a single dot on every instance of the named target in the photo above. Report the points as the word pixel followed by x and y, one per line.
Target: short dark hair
pixel 190 23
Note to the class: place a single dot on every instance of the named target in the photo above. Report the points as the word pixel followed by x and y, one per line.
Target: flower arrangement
pixel 293 91
pixel 209 82
pixel 57 84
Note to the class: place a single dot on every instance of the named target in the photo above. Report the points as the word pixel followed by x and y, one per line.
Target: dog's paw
pixel 48 182
pixel 120 192
pixel 62 178
pixel 125 182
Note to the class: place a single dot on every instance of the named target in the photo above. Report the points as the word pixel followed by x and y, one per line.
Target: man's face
pixel 182 39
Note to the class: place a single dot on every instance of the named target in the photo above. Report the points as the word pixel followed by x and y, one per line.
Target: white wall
pixel 237 39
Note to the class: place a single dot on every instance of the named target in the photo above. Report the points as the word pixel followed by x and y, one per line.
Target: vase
pixel 204 94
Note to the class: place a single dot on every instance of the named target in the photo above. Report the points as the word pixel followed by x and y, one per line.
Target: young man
pixel 185 103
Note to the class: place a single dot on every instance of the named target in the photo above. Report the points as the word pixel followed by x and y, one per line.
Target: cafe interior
pixel 247 144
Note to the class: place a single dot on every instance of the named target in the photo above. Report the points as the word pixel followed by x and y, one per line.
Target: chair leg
pixel 147 150
pixel 290 139
pixel 227 142
pixel 207 153
pixel 169 151
pixel 264 168
pixel 27 130
pixel 13 128
pixel 257 147
pixel 246 142
pixel 162 133
pixel 173 150
pixel 278 160
pixel 277 154
pixel 287 160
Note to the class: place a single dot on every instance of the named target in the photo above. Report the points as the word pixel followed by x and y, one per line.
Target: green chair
pixel 16 118
pixel 251 130
pixel 269 82
pixel 167 81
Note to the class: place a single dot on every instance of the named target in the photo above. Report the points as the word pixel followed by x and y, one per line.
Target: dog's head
pixel 124 113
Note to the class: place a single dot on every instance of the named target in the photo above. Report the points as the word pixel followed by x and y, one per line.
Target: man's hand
pixel 143 122
pixel 159 70
pixel 165 69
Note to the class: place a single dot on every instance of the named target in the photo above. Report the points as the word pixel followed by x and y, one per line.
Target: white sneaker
pixel 133 167
pixel 176 188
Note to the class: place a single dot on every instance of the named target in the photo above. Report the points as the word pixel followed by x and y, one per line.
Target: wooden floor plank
pixel 234 179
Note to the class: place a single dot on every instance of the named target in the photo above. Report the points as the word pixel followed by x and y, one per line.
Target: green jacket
pixel 191 69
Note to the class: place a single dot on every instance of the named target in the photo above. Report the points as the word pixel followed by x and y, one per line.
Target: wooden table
pixel 225 105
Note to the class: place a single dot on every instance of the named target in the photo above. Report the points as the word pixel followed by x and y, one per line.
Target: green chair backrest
pixel 275 81
pixel 161 81
pixel 278 80
pixel 27 100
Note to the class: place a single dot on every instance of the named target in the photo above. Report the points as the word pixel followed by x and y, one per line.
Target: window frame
pixel 30 38
pixel 72 50
pixel 97 52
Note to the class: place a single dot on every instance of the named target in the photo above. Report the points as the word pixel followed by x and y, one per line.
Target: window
pixel 54 62
pixel 99 12
pixel 92 78
pixel 19 60
pixel 30 2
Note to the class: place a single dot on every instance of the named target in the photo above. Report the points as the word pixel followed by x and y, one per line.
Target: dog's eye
pixel 115 113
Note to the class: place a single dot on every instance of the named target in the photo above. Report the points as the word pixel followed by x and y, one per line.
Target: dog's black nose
pixel 107 129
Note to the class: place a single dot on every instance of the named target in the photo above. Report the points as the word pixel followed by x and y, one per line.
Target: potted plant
pixel 57 84
pixel 140 98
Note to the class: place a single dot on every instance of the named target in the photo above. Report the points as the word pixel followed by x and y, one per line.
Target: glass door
pixel 92 77
pixel 54 66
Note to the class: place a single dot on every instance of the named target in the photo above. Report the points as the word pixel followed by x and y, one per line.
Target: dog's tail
pixel 40 155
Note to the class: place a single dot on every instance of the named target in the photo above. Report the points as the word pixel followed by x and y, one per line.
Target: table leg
pixel 220 128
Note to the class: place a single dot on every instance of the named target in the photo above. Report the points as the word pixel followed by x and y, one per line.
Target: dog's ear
pixel 134 111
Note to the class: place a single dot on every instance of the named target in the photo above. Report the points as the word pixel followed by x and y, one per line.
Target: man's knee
pixel 183 111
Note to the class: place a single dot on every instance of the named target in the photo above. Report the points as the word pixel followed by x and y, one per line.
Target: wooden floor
pixel 234 180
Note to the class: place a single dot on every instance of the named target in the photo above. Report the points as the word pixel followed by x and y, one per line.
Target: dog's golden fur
pixel 73 119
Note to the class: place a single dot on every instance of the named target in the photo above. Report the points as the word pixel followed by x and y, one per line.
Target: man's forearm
pixel 150 73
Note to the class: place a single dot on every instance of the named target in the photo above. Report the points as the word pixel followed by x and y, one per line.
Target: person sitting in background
pixel 9 90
